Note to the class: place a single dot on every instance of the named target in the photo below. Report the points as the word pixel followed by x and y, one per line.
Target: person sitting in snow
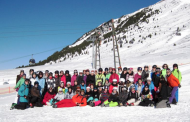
pixel 138 75
pixel 121 85
pixel 114 75
pixel 68 85
pixel 50 94
pixel 107 83
pixel 139 86
pixel 114 84
pixel 133 98
pixel 80 100
pixel 123 96
pixel 58 97
pixel 146 97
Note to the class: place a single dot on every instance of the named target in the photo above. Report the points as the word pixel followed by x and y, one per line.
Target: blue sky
pixel 32 26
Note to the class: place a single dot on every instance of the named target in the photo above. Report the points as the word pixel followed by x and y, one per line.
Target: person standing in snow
pixel 106 72
pixel 156 81
pixel 48 96
pixel 138 75
pixel 119 71
pixel 19 76
pixel 33 79
pixel 68 76
pixel 100 77
pixel 114 76
pixel 61 73
pixel 174 83
pixel 92 77
pixel 133 97
pixel 139 86
pixel 109 74
pixel 124 73
pixel 153 70
pixel 51 81
pixel 88 78
pixel 31 71
pixel 163 72
pixel 145 74
pixel 146 97
pixel 178 75
pixel 23 93
pixel 74 77
pixel 57 82
pixel 80 78
pixel 41 82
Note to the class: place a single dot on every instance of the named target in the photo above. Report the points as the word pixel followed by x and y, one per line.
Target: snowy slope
pixel 176 113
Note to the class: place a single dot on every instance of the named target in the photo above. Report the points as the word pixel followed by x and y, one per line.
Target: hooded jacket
pixel 136 78
pixel 177 74
pixel 100 78
pixel 63 79
pixel 35 92
pixel 80 100
pixel 172 81
pixel 123 96
pixel 114 76
pixel 145 75
pixel 19 83
pixel 48 96
pixel 74 77
pixel 22 92
pixel 69 95
pixel 59 96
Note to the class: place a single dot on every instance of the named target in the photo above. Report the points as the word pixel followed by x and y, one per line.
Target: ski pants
pixel 111 103
pixel 173 94
pixel 21 105
pixel 65 103
pixel 176 95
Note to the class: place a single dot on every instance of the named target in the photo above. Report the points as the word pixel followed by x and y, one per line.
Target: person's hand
pixel 179 85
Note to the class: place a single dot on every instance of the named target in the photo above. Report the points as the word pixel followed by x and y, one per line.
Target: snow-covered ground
pixel 176 113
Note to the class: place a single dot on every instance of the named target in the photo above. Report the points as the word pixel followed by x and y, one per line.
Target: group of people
pixel 147 87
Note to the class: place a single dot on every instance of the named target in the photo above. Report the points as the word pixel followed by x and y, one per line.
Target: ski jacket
pixel 74 77
pixel 22 92
pixel 114 76
pixel 104 96
pixel 108 76
pixel 173 81
pixel 123 96
pixel 48 96
pixel 177 74
pixel 51 82
pixel 137 85
pixel 20 82
pixel 63 79
pixel 123 76
pixel 133 95
pixel 88 80
pixel 156 80
pixel 164 72
pixel 35 92
pixel 80 100
pixel 100 78
pixel 113 98
pixel 69 95
pixel 136 77
pixel 79 80
pixel 41 83
pixel 111 88
pixel 145 75
pixel 83 87
pixel 68 78
pixel 32 80
pixel 59 96
pixel 130 76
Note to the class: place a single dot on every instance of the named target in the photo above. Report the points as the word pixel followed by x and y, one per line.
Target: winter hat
pixel 154 66
pixel 67 72
pixel 131 79
pixel 124 88
pixel 56 72
pixel 175 65
pixel 107 79
pixel 131 69
pixel 24 75
pixel 47 71
pixel 60 89
pixel 82 81
pixel 87 87
pixel 157 69
pixel 113 69
pixel 114 80
pixel 106 69
pixel 119 68
pixel 146 86
pixel 87 70
pixel 75 71
pixel 80 72
pixel 78 87
pixel 92 71
pixel 82 90
pixel 122 80
pixel 95 88
pixel 68 83
pixel 100 70
pixel 125 69
pixel 132 86
pixel 114 88
pixel 139 69
pixel 61 82
pixel 148 79
pixel 146 66
pixel 36 82
pixel 27 80
pixel 168 70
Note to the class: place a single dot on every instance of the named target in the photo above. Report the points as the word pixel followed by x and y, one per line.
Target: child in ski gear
pixel 121 85
pixel 48 96
pixel 83 86
pixel 153 70
pixel 145 74
pixel 114 84
pixel 57 82
pixel 95 96
pixel 107 83
pixel 103 97
pixel 174 83
pixel 114 76
pixel 23 93
pixel 163 72
pixel 68 76
pixel 68 85
pixel 58 97
pixel 119 71
pixel 35 96
pixel 109 74
pixel 41 82
pixel 151 85
pixel 138 75
pixel 133 97
pixel 80 78
pixel 124 73
pixel 31 71
pixel 146 97
pixel 100 77
pixel 123 96
pixel 33 79
pixel 177 74
pixel 139 86
pixel 112 100
pixel 92 78
pixel 62 86
pixel 74 77
pixel 130 74
pixel 80 100
pixel 19 76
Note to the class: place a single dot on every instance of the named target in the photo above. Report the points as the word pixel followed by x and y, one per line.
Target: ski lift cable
pixel 29 55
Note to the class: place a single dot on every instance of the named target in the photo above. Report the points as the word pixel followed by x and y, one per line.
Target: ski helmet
pixel 106 69
pixel 67 72
pixel 31 70
pixel 154 66
pixel 125 69
pixel 139 69
pixel 175 65
pixel 57 72
pixel 100 70
pixel 146 66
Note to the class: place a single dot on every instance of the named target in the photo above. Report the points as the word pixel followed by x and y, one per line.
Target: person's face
pixel 84 72
pixel 75 83
pixel 95 90
pixel 114 83
pixel 148 82
pixel 92 73
pixel 106 81
pixel 145 69
pixel 154 69
pixel 80 74
pixel 56 74
pixel 175 67
pixel 140 71
pixel 82 93
pixel 21 73
pixel 168 72
pixel 50 75
pixel 133 89
pixel 36 85
pixel 125 71
pixel 50 89
pixel 95 72
pixel 46 74
pixel 34 75
pixel 61 73
pixel 120 70
pixel 76 73
pixel 106 90
pixel 129 71
pixel 140 81
pixel 87 73
pixel 165 66
pixel 100 89
pixel 82 83
pixel 92 87
pixel 146 88
pixel 68 85
pixel 70 90
pixel 110 70
pixel 24 76
pixel 106 71
pixel 67 74
pixel 113 71
pixel 115 91
pixel 31 72
pixel 62 85
pixel 100 72
pixel 26 82
pixel 88 90
pixel 40 75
